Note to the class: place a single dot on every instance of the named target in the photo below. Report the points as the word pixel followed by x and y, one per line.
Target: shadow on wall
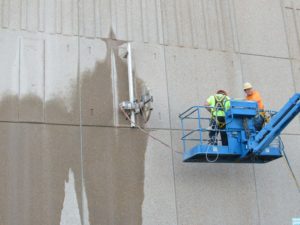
pixel 36 157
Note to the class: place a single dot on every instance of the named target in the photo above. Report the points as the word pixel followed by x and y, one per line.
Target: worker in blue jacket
pixel 217 105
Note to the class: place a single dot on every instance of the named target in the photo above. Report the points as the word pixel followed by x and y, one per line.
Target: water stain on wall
pixel 35 158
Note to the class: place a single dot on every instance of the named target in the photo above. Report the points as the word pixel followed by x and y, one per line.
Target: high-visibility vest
pixel 220 104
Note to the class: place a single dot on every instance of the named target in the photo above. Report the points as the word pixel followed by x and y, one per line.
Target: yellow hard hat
pixel 247 85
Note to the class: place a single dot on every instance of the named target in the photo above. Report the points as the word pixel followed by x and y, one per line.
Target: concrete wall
pixel 67 153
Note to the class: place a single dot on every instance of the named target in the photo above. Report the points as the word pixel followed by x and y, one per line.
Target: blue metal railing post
pixel 199 125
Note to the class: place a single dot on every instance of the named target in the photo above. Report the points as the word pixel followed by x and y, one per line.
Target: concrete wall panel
pixel 9 85
pixel 159 184
pixel 277 195
pixel 185 32
pixel 170 21
pixel 291 142
pixel 296 74
pixel 145 20
pixel 32 79
pixel 198 24
pixel 5 13
pixel 32 15
pixel 261 28
pixel 50 16
pixel 37 164
pixel 213 25
pixel 292 32
pixel 61 74
pixel 96 83
pixel 225 192
pixel 193 75
pixel 105 18
pixel 153 15
pixel 89 18
pixel 59 17
pixel 41 15
pixel 15 17
pixel 122 20
pixel 226 16
pixel 182 81
pixel 98 21
pixel 68 8
pixel 149 71
pixel 115 193
pixel 135 16
pixel 23 15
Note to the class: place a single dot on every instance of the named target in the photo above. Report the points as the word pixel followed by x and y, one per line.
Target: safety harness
pixel 219 106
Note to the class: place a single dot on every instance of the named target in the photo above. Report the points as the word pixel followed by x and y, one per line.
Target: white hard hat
pixel 247 85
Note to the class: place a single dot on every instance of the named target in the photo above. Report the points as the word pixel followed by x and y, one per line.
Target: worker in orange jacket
pixel 253 95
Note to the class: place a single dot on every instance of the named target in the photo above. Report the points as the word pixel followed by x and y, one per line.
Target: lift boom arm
pixel 278 122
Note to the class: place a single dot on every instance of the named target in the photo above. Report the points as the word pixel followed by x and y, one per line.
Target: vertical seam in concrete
pixel 190 16
pixel 218 23
pixel 223 21
pixel 22 26
pixel 126 19
pixel 256 195
pixel 41 25
pixel 296 23
pixel 1 10
pixel 242 74
pixel 4 13
pixel 111 17
pixel 233 31
pixel 55 16
pixel 19 79
pixel 178 23
pixel 158 7
pixel 165 24
pixel 156 21
pixel 61 17
pixel 170 131
pixel 81 19
pixel 20 14
pixel 38 15
pixel 144 21
pixel 8 14
pixel 116 20
pixel 287 42
pixel 237 38
pixel 44 79
pixel 205 19
pixel 129 20
pixel 72 18
pixel 171 138
pixel 26 17
pixel 100 18
pixel 95 19
pixel 80 118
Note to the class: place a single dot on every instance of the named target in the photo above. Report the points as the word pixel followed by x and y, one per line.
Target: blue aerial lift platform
pixel 245 143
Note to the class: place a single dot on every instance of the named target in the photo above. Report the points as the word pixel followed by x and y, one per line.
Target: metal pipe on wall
pixel 130 84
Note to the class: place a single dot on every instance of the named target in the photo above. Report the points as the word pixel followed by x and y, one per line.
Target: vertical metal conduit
pixel 130 84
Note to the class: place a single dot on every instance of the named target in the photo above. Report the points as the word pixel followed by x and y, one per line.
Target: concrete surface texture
pixel 68 155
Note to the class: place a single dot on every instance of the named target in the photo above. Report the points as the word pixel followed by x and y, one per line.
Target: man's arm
pixel 207 106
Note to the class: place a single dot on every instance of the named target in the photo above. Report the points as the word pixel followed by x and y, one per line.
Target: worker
pixel 217 105
pixel 253 95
